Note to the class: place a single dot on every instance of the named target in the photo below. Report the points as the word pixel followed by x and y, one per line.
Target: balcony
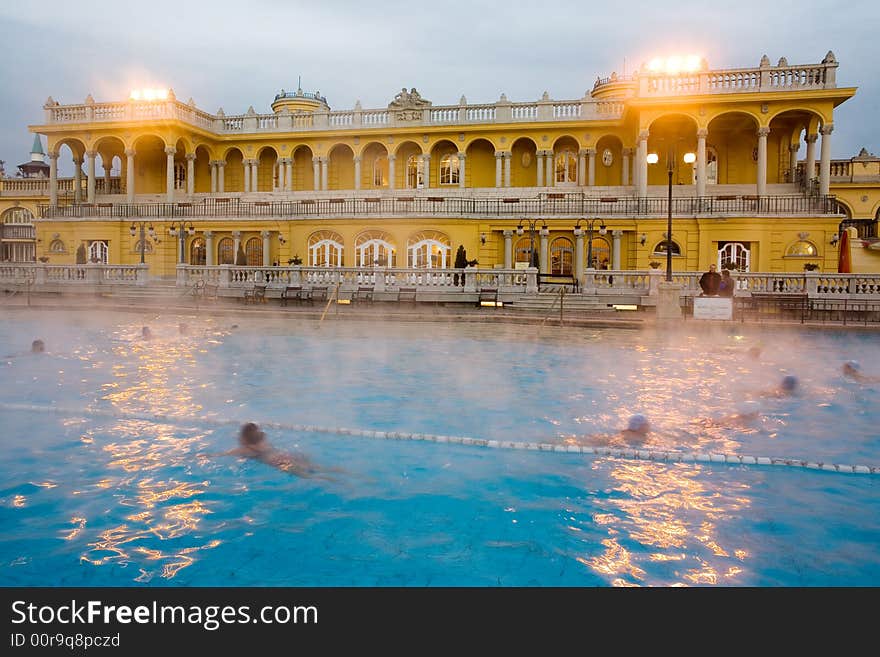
pixel 405 204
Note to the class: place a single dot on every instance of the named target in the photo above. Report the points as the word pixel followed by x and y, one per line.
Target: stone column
pixel 545 250
pixel 255 168
pixel 221 176
pixel 213 166
pixel 236 244
pixel 507 156
pixel 539 157
pixel 325 182
pixel 579 256
pixel 624 166
pixel 53 179
pixel 391 160
pixel 498 166
pixel 810 163
pixel 288 175
pixel 129 174
pixel 462 157
pixel 702 133
pixel 77 179
pixel 107 167
pixel 762 160
pixel 825 159
pixel 426 170
pixel 267 260
pixel 793 160
pixel 316 172
pixel 582 167
pixel 508 249
pixel 591 167
pixel 190 173
pixel 90 172
pixel 209 247
pixel 642 164
pixel 549 173
pixel 247 176
pixel 615 249
pixel 357 172
pixel 169 173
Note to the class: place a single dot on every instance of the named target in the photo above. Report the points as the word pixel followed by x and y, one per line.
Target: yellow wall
pixel 303 173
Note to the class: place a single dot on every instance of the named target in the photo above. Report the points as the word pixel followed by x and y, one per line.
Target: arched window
pixel 522 252
pixel 735 252
pixel 566 168
pixel 197 251
pixel 18 216
pixel 325 249
pixel 254 252
pixel 667 244
pixel 57 246
pixel 226 251
pixel 98 251
pixel 428 250
pixel 802 248
pixel 449 169
pixel 380 172
pixel 601 254
pixel 561 253
pixel 374 248
pixel 148 246
pixel 414 172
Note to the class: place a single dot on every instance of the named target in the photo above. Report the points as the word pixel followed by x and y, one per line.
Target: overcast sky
pixel 239 53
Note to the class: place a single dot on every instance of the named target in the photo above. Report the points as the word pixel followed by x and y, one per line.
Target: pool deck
pixel 170 299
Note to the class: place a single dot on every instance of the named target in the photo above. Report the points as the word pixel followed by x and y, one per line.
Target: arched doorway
pixel 561 256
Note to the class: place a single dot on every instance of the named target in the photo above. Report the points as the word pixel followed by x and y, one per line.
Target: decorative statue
pixel 408 99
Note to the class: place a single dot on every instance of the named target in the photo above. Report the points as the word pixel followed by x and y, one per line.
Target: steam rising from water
pixel 132 496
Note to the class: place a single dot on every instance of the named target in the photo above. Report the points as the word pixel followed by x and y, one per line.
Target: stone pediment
pixel 411 99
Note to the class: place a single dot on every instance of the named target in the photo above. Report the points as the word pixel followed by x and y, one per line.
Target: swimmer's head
pixel 851 367
pixel 789 383
pixel 638 423
pixel 250 435
pixel 38 346
pixel 146 332
pixel 183 329
pixel 754 352
pixel 235 326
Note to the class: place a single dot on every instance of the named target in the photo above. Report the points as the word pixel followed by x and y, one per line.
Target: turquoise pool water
pixel 94 496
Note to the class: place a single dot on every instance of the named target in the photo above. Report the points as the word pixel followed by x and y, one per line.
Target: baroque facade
pixel 563 184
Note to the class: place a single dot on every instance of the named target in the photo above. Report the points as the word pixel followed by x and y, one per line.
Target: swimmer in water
pixel 146 333
pixel 787 387
pixel 38 347
pixel 253 444
pixel 183 329
pixel 636 433
pixel 852 369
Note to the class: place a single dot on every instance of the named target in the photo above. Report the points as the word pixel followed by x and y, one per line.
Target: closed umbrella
pixel 844 259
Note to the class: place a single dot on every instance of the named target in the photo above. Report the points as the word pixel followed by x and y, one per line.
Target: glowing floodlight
pixel 653 158
pixel 690 158
pixel 149 94
pixel 675 64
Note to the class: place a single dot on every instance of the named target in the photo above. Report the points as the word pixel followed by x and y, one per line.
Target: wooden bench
pixel 315 293
pixel 488 294
pixel 291 293
pixel 255 294
pixel 363 294
pixel 407 294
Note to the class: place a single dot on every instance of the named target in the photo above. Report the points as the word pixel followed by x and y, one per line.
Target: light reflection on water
pixel 653 523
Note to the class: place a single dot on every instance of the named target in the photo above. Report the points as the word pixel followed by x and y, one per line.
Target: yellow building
pixel 404 185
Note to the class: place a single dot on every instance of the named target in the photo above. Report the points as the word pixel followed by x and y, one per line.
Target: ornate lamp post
pixel 590 224
pixel 143 242
pixel 520 230
pixel 653 158
pixel 182 229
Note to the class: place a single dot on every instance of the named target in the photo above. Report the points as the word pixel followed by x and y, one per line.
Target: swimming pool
pixel 115 489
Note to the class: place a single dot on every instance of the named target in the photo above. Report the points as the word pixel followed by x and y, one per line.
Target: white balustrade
pixel 524 112
pixel 566 110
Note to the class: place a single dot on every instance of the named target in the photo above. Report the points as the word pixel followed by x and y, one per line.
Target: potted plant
pixel 729 265
pixel 654 264
pixel 810 266
pixel 295 261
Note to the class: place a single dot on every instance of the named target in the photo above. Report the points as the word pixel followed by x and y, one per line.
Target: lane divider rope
pixel 667 456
